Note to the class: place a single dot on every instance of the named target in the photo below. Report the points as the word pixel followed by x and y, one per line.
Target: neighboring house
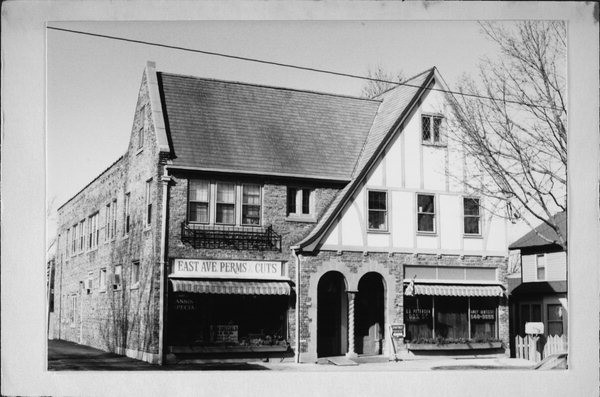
pixel 540 293
pixel 253 220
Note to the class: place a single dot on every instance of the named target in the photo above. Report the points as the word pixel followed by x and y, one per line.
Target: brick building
pixel 239 211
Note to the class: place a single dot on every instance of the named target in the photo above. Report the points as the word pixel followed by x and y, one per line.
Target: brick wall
pixel 353 265
pixel 126 318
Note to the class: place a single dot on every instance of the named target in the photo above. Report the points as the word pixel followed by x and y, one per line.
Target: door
pixel 332 316
pixel 369 321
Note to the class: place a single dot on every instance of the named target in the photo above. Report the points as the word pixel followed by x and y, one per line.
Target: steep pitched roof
pixel 232 126
pixel 397 104
pixel 532 239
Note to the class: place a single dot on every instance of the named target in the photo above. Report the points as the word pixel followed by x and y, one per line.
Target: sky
pixel 93 83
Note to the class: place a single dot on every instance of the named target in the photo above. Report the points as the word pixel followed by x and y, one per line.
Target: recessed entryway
pixel 332 315
pixel 369 320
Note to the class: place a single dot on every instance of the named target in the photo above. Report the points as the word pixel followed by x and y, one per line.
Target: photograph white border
pixel 23 208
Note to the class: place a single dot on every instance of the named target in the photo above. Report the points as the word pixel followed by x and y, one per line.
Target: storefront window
pixel 418 318
pixel 214 321
pixel 483 318
pixel 451 317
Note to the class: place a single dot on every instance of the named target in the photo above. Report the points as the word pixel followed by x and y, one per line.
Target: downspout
pixel 297 329
pixel 165 179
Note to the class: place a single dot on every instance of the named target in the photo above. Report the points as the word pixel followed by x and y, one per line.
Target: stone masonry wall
pixel 274 207
pixel 353 265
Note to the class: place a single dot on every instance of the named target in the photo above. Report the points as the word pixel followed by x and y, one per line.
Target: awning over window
pixel 231 287
pixel 458 290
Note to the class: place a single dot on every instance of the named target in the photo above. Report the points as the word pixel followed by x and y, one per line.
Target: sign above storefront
pixel 214 268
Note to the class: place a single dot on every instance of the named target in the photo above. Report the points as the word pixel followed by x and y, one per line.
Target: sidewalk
pixel 70 356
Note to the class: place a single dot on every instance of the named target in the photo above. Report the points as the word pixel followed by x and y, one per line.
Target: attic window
pixel 431 129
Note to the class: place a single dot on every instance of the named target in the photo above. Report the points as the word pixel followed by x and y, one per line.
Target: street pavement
pixel 70 356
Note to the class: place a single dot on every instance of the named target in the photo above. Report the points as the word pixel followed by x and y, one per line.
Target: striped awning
pixel 231 287
pixel 458 290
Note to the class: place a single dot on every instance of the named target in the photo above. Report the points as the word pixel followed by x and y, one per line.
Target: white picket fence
pixel 535 348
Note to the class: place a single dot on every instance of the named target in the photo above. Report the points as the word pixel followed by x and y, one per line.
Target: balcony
pixel 230 237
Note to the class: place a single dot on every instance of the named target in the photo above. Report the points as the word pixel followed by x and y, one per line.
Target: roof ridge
pixel 403 82
pixel 272 87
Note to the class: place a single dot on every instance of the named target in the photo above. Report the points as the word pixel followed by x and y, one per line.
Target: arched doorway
pixel 369 317
pixel 332 315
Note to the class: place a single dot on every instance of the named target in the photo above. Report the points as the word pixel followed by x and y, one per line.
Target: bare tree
pixel 518 141
pixel 380 83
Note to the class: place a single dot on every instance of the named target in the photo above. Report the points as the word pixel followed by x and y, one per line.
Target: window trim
pixel 148 207
pixel 260 205
pixel 538 267
pixel 135 265
pixel 189 207
pixel 479 216
pixel 387 211
pixel 431 142
pixel 435 214
pixel 299 216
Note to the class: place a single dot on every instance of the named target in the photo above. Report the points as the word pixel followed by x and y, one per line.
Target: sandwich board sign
pixel 534 328
pixel 397 330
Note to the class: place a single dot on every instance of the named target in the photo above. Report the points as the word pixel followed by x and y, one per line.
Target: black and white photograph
pixel 323 197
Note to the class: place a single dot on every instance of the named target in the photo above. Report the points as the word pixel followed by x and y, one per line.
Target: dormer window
pixel 431 129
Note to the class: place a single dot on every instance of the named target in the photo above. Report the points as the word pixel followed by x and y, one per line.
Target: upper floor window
pixel 377 210
pixel 107 222
pixel 82 235
pixel 251 204
pixel 148 202
pixel 102 281
pixel 299 201
pixel 431 129
pixel 213 202
pixel 135 274
pixel 199 204
pixel 126 215
pixel 67 242
pixel 472 217
pixel 225 203
pixel 142 128
pixel 74 238
pixel 540 265
pixel 426 213
pixel 93 231
pixel 118 280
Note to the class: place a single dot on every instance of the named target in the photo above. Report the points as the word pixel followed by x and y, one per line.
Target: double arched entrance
pixel 350 321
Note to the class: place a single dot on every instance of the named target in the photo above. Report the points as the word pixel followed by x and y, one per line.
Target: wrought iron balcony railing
pixel 230 237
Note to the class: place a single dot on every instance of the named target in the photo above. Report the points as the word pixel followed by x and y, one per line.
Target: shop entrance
pixel 332 315
pixel 369 320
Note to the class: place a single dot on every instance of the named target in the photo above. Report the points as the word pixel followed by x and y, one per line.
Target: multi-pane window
pixel 377 210
pixel 555 322
pixel 126 219
pixel 93 231
pixel 431 127
pixel 73 308
pixel 299 201
pixel 148 202
pixel 426 213
pixel 102 282
pixel 82 235
pixel 540 265
pixel 135 273
pixel 113 219
pixel 225 203
pixel 74 240
pixel 117 276
pixel 199 203
pixel 107 222
pixel 472 218
pixel 250 204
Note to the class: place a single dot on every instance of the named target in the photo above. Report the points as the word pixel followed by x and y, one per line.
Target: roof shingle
pixel 250 128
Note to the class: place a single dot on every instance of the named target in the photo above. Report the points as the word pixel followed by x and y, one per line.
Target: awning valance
pixel 231 287
pixel 458 290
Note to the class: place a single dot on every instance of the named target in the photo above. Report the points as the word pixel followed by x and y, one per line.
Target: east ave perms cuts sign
pixel 214 268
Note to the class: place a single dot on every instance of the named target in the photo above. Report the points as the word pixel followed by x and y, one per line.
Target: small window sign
pixel 534 328
pixel 397 330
